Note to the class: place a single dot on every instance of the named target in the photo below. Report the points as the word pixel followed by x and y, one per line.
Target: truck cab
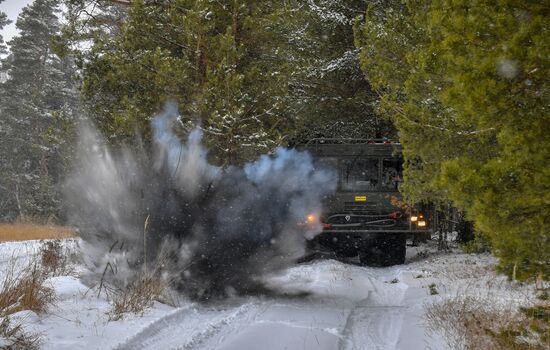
pixel 366 216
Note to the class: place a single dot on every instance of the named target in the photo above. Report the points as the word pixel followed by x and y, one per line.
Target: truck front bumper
pixel 375 231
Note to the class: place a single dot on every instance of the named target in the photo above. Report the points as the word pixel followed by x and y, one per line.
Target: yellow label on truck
pixel 360 198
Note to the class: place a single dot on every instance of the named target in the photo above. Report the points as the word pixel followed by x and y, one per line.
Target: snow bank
pixel 325 304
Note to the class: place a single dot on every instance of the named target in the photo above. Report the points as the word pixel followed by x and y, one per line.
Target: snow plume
pixel 211 231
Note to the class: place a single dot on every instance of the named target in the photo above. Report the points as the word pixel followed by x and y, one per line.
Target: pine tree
pixel 253 74
pixel 466 87
pixel 3 22
pixel 38 100
pixel 86 21
pixel 216 59
pixel 3 156
pixel 328 88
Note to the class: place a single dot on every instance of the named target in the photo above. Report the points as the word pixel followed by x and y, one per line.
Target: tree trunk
pixel 18 201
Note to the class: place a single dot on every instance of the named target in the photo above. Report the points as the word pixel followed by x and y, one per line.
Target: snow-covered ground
pixel 340 306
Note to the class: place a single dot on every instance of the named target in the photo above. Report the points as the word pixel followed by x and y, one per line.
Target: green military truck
pixel 365 217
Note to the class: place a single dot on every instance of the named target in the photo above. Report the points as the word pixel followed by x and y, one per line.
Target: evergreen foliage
pixel 329 92
pixel 3 22
pixel 252 74
pixel 36 110
pixel 217 59
pixel 466 84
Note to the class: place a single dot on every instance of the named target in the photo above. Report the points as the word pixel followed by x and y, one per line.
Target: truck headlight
pixel 421 223
pixel 414 218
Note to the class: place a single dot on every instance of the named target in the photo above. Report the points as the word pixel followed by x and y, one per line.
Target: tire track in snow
pixel 188 328
pixel 340 317
pixel 376 322
pixel 373 328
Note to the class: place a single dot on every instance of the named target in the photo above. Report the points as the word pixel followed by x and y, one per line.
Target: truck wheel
pixel 386 250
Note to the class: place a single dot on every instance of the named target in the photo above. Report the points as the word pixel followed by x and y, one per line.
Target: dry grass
pixel 137 296
pixel 470 323
pixel 23 232
pixel 24 289
pixel 15 337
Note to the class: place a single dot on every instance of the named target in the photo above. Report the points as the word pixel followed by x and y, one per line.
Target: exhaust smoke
pixel 210 231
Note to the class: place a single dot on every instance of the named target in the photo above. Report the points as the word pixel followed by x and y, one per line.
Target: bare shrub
pixel 54 258
pixel 469 322
pixel 14 337
pixel 137 296
pixel 468 269
pixel 24 289
pixel 151 283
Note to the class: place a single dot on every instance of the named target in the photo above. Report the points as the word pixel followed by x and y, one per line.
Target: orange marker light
pixel 311 218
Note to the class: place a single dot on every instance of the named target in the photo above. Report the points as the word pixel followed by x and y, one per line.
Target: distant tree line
pixel 463 83
pixel 37 110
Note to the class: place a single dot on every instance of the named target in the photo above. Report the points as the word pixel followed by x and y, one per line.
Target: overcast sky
pixel 12 9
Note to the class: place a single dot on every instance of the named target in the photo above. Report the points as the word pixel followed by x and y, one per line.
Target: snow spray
pixel 211 232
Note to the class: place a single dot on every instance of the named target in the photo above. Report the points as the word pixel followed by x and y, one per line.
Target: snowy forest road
pixel 322 304
pixel 348 307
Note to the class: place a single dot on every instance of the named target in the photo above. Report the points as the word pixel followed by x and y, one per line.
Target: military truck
pixel 366 216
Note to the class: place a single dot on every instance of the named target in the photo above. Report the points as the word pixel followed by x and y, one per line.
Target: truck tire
pixel 385 250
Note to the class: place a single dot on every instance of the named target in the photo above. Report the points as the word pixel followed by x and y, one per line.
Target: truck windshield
pixel 392 173
pixel 359 174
